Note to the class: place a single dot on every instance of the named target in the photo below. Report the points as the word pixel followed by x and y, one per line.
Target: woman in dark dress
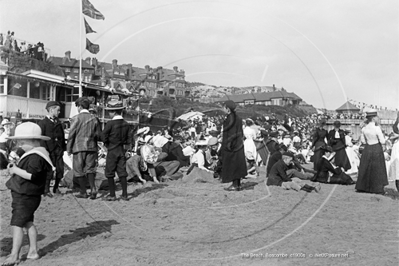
pixel 318 141
pixel 232 150
pixel 372 169
pixel 327 172
pixel 336 139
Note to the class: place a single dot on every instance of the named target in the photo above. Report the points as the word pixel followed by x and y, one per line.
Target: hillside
pixel 183 106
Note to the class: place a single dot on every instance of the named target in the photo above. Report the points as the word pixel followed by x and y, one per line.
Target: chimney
pixel 114 64
pixel 274 87
pixel 129 71
pixel 88 60
pixel 147 67
pixel 67 57
pixel 175 68
pixel 94 62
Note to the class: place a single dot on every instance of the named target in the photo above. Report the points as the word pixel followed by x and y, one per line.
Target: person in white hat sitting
pixel 30 179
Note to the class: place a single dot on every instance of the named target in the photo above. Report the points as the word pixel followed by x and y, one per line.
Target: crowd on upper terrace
pixel 9 42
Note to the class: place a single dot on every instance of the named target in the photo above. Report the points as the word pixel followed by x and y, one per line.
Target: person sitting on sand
pixel 327 172
pixel 30 179
pixel 278 176
pixel 199 158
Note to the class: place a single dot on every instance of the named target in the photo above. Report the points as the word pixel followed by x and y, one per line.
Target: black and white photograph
pixel 199 132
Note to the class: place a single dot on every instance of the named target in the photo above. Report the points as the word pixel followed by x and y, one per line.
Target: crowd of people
pixel 36 51
pixel 225 148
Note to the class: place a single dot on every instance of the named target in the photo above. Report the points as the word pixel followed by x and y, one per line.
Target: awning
pixel 190 115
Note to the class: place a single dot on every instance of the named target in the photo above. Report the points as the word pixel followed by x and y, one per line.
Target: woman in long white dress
pixel 352 155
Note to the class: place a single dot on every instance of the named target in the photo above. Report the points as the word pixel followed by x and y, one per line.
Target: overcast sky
pixel 325 51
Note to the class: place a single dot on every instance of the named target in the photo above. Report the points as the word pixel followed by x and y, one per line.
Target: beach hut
pixel 348 108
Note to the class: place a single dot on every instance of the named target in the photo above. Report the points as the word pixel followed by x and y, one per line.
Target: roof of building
pixel 348 107
pixel 60 61
pixel 260 96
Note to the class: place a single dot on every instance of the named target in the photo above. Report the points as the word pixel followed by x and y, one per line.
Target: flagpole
pixel 80 48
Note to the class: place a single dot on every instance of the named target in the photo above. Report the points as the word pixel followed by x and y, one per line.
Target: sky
pixel 325 51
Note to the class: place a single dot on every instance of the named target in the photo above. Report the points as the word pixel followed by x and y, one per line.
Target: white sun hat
pixel 28 130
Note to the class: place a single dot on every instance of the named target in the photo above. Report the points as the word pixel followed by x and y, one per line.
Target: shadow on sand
pixel 143 190
pixel 6 243
pixel 92 229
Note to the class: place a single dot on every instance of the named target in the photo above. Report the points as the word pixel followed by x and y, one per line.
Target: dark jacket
pixel 176 151
pixel 336 143
pixel 272 146
pixel 116 133
pixel 41 172
pixel 55 131
pixel 276 156
pixel 84 133
pixel 234 164
pixel 324 168
pixel 278 174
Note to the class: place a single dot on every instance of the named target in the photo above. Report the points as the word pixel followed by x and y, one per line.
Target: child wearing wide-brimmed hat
pixel 30 179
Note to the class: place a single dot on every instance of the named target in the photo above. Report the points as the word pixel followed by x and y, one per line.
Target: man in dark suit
pixel 52 127
pixel 84 133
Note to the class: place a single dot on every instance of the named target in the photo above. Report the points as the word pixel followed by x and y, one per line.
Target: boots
pixel 56 185
pixel 92 183
pixel 307 188
pixel 397 185
pixel 82 185
pixel 111 184
pixel 124 188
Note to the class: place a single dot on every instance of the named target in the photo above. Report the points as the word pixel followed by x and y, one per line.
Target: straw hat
pixel 28 130
pixel 143 130
pixel 212 141
pixel 5 122
pixel 201 143
pixel 371 113
pixel 114 104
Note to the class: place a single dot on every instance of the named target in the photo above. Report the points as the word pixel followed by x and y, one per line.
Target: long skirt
pixel 341 159
pixel 372 170
pixel 262 150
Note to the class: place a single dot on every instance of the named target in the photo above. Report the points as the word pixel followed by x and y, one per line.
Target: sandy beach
pixel 198 223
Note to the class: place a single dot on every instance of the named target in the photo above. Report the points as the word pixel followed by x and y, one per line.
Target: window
pixel 67 70
pixel 2 78
pixel 75 70
pixel 17 87
pixel 39 90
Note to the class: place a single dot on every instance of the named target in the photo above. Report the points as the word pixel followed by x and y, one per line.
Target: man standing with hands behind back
pixel 52 127
pixel 84 133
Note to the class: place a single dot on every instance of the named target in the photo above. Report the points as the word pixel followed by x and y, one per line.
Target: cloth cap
pixel 52 103
pixel 327 148
pixel 288 154
pixel 230 104
pixel 28 130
